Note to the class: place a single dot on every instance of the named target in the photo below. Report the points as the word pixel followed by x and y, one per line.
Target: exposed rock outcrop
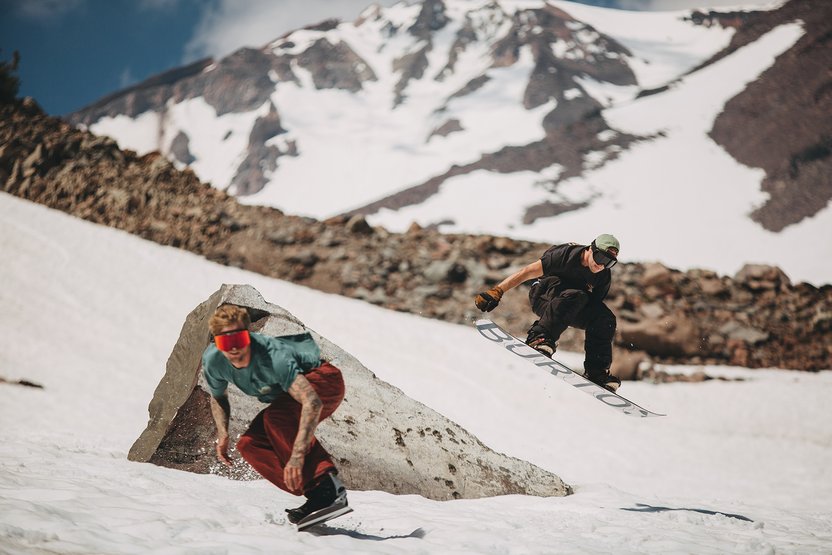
pixel 780 122
pixel 261 158
pixel 381 439
pixel 335 66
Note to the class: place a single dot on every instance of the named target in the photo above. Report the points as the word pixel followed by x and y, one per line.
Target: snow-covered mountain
pixel 542 120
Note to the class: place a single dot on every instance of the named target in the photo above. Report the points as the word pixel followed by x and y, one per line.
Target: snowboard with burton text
pixel 495 333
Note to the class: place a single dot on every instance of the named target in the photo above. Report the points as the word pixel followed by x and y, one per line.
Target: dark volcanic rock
pixel 261 159
pixel 180 149
pixel 431 18
pixel 781 121
pixel 380 438
pixel 147 95
pixel 238 83
pixel 335 66
pixel 450 126
pixel 412 66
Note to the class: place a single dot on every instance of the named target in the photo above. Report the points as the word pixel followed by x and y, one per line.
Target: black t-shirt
pixel 562 268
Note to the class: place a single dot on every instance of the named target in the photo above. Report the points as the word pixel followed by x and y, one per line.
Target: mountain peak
pixel 552 107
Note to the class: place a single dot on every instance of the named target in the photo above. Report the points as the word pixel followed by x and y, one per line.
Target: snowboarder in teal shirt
pixel 301 389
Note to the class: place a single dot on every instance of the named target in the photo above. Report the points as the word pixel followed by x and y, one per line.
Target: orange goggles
pixel 232 340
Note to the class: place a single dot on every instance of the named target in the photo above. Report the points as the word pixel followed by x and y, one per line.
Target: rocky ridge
pixel 756 319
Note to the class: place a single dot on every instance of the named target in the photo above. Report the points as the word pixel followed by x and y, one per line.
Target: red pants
pixel 267 444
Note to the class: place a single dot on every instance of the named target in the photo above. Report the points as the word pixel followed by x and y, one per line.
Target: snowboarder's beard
pixel 239 359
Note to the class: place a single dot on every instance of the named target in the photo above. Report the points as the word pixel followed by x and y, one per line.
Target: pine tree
pixel 9 81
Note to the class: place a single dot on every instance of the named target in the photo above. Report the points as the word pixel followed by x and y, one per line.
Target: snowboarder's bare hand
pixel 488 300
pixel 292 473
pixel 222 451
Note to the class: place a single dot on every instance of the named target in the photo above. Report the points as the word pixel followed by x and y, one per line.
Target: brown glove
pixel 488 300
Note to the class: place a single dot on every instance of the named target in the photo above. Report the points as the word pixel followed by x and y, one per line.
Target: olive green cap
pixel 605 242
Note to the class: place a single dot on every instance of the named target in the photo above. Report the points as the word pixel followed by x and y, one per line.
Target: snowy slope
pixel 92 314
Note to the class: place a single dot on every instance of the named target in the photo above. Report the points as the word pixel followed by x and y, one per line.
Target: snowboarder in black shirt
pixel 570 284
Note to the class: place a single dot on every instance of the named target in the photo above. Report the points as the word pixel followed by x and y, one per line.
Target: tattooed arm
pixel 311 406
pixel 221 411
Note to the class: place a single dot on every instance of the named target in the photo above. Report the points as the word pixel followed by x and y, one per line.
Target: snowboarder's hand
pixel 292 473
pixel 222 451
pixel 488 300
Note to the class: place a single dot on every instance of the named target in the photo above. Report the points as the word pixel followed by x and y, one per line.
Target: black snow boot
pixel 605 380
pixel 327 496
pixel 538 340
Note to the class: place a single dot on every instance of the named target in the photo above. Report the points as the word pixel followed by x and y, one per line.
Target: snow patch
pixel 690 479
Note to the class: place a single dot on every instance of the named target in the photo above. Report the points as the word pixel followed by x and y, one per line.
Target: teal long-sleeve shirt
pixel 275 363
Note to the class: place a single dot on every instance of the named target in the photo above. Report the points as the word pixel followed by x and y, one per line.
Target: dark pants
pixel 560 308
pixel 267 444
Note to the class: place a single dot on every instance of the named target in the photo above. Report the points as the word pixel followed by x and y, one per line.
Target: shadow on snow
pixel 642 508
pixel 325 530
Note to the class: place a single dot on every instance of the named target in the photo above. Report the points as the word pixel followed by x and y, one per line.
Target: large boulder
pixel 761 277
pixel 669 335
pixel 380 438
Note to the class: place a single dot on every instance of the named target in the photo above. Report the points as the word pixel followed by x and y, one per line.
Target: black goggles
pixel 603 258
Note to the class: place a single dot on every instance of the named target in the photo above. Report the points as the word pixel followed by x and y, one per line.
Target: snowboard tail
pixel 496 334
pixel 323 515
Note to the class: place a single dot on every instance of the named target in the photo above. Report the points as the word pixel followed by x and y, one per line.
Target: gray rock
pixel 436 271
pixel 653 311
pixel 758 277
pixel 380 438
pixel 673 334
pixel 358 224
pixel 261 158
pixel 735 330
pixel 335 66
pixel 180 149
pixel 626 365
pixel 656 274
pixel 446 271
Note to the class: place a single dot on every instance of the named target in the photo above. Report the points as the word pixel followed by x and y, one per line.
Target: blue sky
pixel 73 52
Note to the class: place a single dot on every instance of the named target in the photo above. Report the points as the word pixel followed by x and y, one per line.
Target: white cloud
pixel 46 10
pixel 662 5
pixel 52 10
pixel 229 24
pixel 126 78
